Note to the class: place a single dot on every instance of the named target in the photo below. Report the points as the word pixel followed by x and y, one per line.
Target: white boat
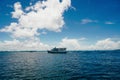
pixel 57 50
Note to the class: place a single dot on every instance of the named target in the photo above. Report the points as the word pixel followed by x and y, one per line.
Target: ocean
pixel 75 65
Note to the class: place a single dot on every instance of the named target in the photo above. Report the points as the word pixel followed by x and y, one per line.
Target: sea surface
pixel 75 65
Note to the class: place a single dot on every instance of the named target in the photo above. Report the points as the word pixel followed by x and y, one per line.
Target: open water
pixel 75 65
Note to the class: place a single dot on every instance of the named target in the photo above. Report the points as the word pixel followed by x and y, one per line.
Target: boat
pixel 57 50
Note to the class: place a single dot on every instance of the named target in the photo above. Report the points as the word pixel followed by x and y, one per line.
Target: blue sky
pixel 102 11
pixel 93 20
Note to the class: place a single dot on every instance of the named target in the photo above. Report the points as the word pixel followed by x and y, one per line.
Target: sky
pixel 74 24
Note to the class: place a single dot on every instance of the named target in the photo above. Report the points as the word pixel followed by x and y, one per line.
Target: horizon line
pixel 46 50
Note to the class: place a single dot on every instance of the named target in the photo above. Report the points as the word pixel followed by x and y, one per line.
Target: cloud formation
pixel 18 10
pixel 32 21
pixel 42 15
pixel 75 44
pixel 26 45
pixel 46 15
pixel 106 44
pixel 86 21
pixel 69 43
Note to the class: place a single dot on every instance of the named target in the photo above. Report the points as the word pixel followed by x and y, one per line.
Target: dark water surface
pixel 75 65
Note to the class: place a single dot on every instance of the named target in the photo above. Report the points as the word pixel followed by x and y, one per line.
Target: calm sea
pixel 75 65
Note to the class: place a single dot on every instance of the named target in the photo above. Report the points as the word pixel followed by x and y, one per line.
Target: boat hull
pixel 58 52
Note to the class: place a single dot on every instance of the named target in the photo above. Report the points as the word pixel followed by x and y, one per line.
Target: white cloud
pixel 106 44
pixel 109 22
pixel 42 15
pixel 20 32
pixel 46 15
pixel 78 44
pixel 70 43
pixel 17 45
pixel 86 21
pixel 18 10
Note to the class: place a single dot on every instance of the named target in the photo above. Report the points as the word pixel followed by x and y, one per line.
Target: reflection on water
pixel 79 65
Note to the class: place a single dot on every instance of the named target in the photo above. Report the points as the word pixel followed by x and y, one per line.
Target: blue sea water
pixel 75 65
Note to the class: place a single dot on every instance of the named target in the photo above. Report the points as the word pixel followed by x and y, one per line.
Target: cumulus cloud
pixel 46 15
pixel 78 44
pixel 18 10
pixel 86 21
pixel 69 43
pixel 42 15
pixel 72 44
pixel 31 21
pixel 17 45
pixel 20 32
pixel 106 44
